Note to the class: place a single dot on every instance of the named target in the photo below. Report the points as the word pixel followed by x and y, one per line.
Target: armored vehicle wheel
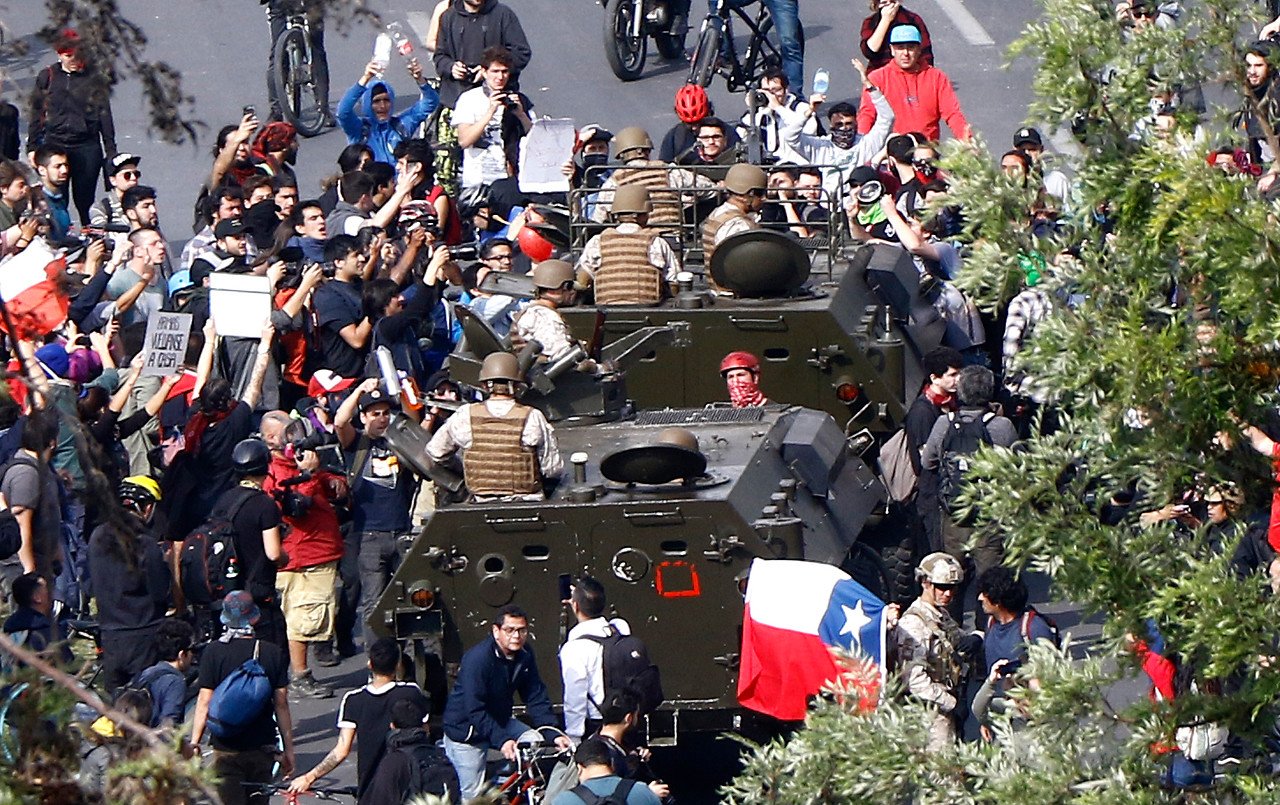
pixel 884 559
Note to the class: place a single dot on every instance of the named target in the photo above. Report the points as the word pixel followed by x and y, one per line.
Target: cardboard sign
pixel 166 342
pixel 240 304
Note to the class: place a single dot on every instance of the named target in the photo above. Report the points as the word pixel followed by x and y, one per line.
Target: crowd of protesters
pixel 283 434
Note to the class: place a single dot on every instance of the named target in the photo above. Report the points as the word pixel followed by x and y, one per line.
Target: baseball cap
pixel 325 381
pixel 232 227
pixel 592 132
pixel 120 160
pixel 904 35
pixel 239 610
pixel 375 397
pixel 1027 135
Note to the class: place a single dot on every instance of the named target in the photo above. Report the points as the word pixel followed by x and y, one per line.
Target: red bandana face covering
pixel 744 391
pixel 940 399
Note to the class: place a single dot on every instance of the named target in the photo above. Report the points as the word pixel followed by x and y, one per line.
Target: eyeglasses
pixel 131 174
pixel 710 136
pixel 503 258
pixel 515 630
pixel 1142 13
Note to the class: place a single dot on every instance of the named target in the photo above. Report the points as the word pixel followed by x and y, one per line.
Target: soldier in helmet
pixel 632 147
pixel 508 449
pixel 746 186
pixel 930 653
pixel 541 320
pixel 741 373
pixel 630 264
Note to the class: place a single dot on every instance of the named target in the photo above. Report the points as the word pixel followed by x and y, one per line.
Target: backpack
pixel 962 440
pixel 430 773
pixel 618 797
pixel 10 533
pixel 626 666
pixel 1025 627
pixel 240 698
pixel 209 568
pixel 897 473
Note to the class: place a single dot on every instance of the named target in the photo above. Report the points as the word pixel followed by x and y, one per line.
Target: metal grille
pixel 690 416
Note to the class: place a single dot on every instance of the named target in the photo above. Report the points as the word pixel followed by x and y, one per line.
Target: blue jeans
pixel 469 759
pixel 786 19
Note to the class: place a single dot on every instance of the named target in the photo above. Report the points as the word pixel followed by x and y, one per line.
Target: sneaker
pixel 324 655
pixel 307 686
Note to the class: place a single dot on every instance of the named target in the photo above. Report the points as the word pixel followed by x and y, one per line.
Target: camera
pixel 757 99
pixel 248 110
pixel 509 101
pixel 465 251
pixel 292 502
pixel 870 192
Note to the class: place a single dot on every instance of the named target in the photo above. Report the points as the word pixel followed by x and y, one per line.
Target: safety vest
pixel 498 464
pixel 666 203
pixel 625 276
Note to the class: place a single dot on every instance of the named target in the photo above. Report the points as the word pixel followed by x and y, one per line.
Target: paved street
pixel 220 47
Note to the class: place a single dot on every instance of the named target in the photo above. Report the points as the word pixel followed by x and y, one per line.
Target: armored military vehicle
pixel 668 525
pixel 844 336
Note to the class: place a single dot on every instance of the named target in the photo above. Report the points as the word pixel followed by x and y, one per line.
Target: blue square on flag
pixel 853 621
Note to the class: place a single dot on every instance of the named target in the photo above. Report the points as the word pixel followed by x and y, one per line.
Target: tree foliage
pixel 1171 338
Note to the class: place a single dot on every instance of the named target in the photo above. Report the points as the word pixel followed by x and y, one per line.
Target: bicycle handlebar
pixel 318 792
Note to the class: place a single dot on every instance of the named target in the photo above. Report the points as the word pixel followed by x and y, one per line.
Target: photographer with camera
pixel 491 120
pixel 306 491
pixel 397 311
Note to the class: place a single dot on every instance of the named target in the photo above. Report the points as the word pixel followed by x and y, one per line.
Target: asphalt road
pixel 220 48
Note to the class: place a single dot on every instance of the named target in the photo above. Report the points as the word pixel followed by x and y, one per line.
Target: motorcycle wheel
pixel 670 46
pixel 624 52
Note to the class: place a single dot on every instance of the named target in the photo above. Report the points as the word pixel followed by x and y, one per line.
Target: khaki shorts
pixel 307 600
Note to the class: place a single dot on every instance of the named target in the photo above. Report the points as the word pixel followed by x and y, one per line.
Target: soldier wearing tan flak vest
pixel 508 450
pixel 630 264
pixel 746 185
pixel 632 147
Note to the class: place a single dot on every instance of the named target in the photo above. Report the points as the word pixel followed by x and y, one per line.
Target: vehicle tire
pixel 702 67
pixel 624 53
pixel 294 83
pixel 886 555
pixel 670 46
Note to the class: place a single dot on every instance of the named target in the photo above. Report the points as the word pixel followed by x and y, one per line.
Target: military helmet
pixel 500 366
pixel 679 437
pixel 552 274
pixel 632 138
pixel 632 199
pixel 743 178
pixel 940 568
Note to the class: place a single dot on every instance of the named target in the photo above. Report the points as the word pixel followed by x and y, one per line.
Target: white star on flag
pixel 854 621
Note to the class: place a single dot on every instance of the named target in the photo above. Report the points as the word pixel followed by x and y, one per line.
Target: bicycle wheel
pixel 702 67
pixel 294 83
pixel 624 52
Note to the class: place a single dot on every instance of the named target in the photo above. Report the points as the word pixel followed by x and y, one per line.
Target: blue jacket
pixel 382 136
pixel 483 696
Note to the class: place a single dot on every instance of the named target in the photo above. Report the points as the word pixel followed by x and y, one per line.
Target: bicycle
pixel 534 762
pixel 716 51
pixel 295 74
pixel 330 794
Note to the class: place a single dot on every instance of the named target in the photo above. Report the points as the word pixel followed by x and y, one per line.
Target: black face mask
pixel 844 138
pixel 595 160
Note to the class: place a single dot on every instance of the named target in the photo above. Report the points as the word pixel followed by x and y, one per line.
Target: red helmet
pixel 691 103
pixel 534 244
pixel 740 360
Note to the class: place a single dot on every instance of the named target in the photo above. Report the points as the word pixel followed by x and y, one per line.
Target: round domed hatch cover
pixel 759 262
pixel 653 464
pixel 481 340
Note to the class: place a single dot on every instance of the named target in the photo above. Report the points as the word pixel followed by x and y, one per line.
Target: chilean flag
pixel 796 612
pixel 29 289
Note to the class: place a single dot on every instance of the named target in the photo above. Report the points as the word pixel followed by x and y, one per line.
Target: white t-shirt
pixel 486 161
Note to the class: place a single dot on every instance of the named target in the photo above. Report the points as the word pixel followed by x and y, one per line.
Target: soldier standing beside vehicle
pixel 630 262
pixel 508 449
pixel 930 656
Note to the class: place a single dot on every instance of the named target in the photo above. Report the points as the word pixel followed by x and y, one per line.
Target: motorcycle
pixel 627 26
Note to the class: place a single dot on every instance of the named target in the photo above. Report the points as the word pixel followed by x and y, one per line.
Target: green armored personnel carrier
pixel 667 529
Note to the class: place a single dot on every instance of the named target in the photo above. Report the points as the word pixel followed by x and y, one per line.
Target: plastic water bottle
pixel 821 81
pixel 404 45
pixel 382 51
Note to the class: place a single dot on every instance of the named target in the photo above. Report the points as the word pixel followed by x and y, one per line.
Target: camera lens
pixel 870 192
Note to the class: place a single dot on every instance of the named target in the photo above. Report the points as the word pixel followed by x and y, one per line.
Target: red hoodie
pixel 919 100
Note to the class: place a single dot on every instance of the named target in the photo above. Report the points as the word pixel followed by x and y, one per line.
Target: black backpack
pixel 626 666
pixel 962 440
pixel 430 772
pixel 618 797
pixel 209 568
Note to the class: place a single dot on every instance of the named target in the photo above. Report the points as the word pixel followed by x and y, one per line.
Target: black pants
pixel 84 164
pixel 125 654
pixel 270 626
pixel 349 596
pixel 277 10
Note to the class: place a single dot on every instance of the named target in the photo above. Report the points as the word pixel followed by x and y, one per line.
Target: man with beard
pixel 225 204
pixel 1260 80
pixel 712 135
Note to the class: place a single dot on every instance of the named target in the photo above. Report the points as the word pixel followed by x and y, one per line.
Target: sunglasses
pixel 945 588
pixel 130 174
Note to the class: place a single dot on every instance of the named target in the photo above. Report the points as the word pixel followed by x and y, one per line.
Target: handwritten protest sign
pixel 543 152
pixel 166 343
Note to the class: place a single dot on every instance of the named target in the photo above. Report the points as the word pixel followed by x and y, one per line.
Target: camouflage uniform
pixel 931 665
